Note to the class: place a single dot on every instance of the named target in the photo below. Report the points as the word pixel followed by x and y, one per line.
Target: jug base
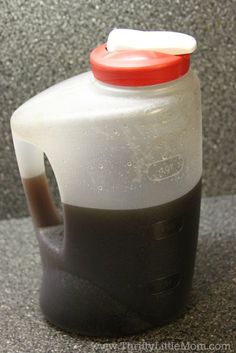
pixel 109 334
pixel 119 273
pixel 94 312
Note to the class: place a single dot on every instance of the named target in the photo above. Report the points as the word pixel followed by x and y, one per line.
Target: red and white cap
pixel 142 58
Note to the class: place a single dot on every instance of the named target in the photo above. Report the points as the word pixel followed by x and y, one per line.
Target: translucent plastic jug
pixel 125 145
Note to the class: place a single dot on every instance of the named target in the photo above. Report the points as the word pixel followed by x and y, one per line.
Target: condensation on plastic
pixel 113 147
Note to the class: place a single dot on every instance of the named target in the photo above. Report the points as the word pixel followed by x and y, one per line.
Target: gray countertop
pixel 210 317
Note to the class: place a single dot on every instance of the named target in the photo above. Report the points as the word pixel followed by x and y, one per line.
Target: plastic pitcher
pixel 125 144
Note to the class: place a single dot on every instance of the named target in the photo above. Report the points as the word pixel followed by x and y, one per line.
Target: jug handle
pixel 30 159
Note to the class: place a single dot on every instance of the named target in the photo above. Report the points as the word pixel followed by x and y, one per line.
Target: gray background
pixel 44 42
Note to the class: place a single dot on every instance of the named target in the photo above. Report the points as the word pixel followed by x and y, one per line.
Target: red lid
pixel 137 67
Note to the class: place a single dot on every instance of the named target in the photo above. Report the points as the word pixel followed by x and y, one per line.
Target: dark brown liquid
pixel 40 203
pixel 116 271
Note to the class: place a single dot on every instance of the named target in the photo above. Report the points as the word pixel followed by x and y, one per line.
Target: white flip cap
pixel 161 41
